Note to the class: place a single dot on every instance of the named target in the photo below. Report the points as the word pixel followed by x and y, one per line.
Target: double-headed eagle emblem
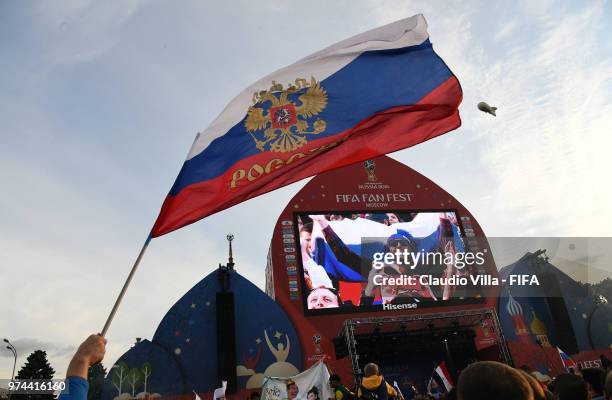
pixel 286 124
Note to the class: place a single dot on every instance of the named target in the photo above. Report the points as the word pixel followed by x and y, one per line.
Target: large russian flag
pixel 372 94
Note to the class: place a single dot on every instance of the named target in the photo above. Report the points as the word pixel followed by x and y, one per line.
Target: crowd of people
pixel 481 380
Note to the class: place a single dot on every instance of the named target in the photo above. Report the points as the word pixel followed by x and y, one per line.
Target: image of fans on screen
pixel 356 261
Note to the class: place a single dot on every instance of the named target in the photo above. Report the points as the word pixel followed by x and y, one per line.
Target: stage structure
pixel 418 330
pixel 320 270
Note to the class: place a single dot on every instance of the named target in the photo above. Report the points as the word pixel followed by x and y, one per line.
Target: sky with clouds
pixel 100 103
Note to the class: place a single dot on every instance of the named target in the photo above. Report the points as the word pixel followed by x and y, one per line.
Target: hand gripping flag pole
pixel 125 287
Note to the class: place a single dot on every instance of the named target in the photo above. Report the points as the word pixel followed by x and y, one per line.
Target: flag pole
pixel 125 286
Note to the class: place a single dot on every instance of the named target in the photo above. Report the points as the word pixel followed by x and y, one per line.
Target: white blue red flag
pixel 566 360
pixel 375 93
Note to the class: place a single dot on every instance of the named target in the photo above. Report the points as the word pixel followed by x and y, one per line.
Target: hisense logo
pixel 391 307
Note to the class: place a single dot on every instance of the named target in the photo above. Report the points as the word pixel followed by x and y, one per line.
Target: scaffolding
pixel 348 329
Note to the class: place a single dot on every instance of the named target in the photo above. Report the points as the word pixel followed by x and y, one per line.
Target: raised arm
pixel 341 251
pixel 90 352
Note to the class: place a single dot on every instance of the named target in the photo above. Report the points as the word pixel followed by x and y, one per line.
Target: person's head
pixel 536 388
pixel 486 380
pixel 570 387
pixel 313 393
pixel 255 396
pixel 540 377
pixel 392 218
pixel 306 236
pixel 400 242
pixel 370 369
pixel 322 298
pixel 292 389
pixel 595 378
pixel 378 217
pixel 334 381
pixel 608 385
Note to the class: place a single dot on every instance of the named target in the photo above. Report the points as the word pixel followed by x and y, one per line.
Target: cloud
pixel 554 104
pixel 81 30
pixel 25 346
pixel 506 30
pixel 538 168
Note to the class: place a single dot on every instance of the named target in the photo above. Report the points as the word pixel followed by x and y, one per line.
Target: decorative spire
pixel 513 307
pixel 230 262
pixel 537 326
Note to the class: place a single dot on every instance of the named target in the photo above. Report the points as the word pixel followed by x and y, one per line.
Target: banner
pixel 314 380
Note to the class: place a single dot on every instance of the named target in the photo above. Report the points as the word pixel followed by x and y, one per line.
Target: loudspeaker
pixel 558 311
pixel 563 325
pixel 226 341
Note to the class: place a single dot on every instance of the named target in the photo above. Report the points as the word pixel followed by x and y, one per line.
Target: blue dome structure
pixel 182 354
pixel 589 320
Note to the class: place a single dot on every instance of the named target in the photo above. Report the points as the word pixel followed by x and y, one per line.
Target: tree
pixel 146 371
pixel 120 373
pixel 36 367
pixel 604 288
pixel 133 379
pixel 96 375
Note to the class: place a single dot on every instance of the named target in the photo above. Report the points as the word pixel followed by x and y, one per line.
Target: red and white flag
pixel 442 377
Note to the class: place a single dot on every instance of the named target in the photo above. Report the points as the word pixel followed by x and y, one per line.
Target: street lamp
pixel 14 351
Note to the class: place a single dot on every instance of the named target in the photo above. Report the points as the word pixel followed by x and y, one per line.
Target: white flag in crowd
pixel 316 376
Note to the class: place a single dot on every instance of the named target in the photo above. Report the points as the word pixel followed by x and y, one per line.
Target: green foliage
pixel 146 371
pixel 604 288
pixel 119 375
pixel 36 367
pixel 600 292
pixel 134 377
pixel 95 376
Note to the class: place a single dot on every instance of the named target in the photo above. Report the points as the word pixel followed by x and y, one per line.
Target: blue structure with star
pixel 182 354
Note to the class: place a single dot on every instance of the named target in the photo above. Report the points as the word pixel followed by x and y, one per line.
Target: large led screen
pixel 352 262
